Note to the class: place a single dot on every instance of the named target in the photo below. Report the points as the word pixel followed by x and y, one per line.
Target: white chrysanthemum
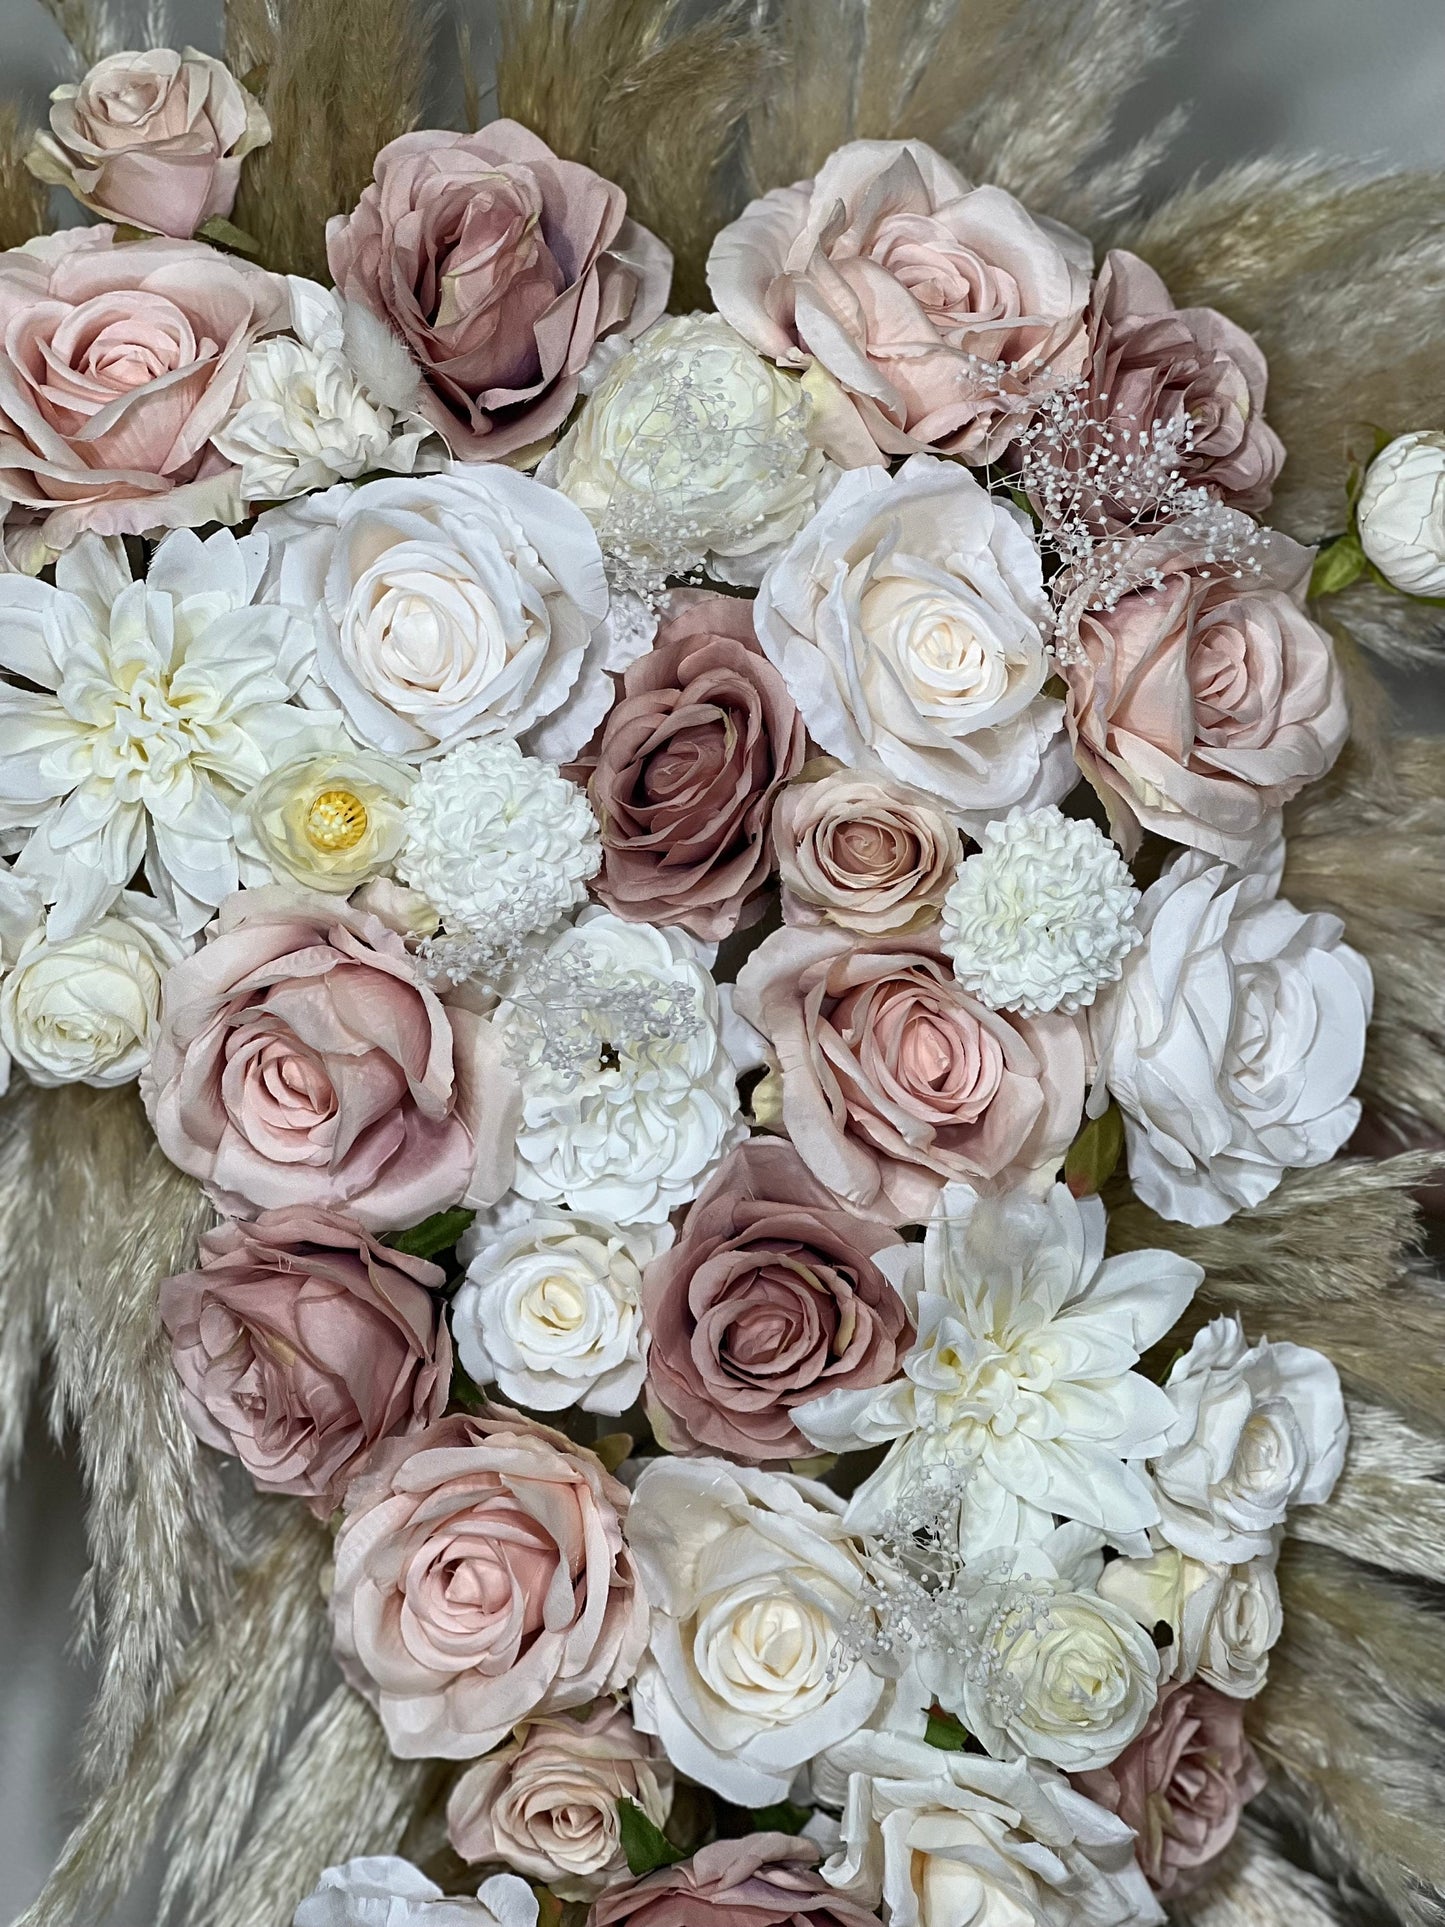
pixel 1042 916
pixel 499 843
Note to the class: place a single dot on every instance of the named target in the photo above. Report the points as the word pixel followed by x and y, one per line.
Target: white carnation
pixel 1402 512
pixel 1042 915
pixel 384 1891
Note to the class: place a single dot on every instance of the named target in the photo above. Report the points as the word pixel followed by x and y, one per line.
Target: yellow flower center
pixel 336 820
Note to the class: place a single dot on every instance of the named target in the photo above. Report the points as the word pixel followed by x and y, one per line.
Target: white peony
pixel 1021 1382
pixel 629 1097
pixel 907 620
pixel 1042 915
pixel 383 1891
pixel 1233 1041
pixel 953 1840
pixel 1402 512
pixel 1258 1429
pixel 142 715
pixel 551 1311
pixel 451 605
pixel 751 1576
pixel 327 820
pixel 1225 1619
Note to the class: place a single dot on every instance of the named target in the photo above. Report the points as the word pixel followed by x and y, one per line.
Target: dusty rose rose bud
pixel 863 852
pixel 765 1880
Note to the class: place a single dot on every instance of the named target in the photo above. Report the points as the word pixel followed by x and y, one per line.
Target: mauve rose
pixel 863 852
pixel 1199 707
pixel 1181 1784
pixel 900 277
pixel 300 1342
pixel 683 775
pixel 773 1295
pixel 118 362
pixel 155 139
pixel 501 267
pixel 482 1577
pixel 764 1880
pixel 302 1058
pixel 896 1080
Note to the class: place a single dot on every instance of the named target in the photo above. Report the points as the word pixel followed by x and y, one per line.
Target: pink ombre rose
pixel 482 1577
pixel 764 1880
pixel 500 267
pixel 863 852
pixel 901 278
pixel 118 362
pixel 300 1342
pixel 897 1081
pixel 302 1058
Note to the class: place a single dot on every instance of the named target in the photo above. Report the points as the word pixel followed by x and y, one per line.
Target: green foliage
pixel 647 1847
pixel 433 1235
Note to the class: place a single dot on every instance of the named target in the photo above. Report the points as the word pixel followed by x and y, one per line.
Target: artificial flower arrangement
pixel 704 896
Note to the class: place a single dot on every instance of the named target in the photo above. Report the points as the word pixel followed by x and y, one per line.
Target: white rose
pixel 908 621
pixel 383 1891
pixel 1260 1428
pixel 751 1576
pixel 83 1009
pixel 327 821
pixel 1233 1041
pixel 953 1840
pixel 552 1311
pixel 447 606
pixel 1402 512
pixel 1225 1619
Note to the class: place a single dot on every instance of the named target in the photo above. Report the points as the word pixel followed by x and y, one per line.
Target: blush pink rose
pixel 1200 706
pixel 302 1058
pixel 1181 1785
pixel 684 772
pixel 772 1295
pixel 896 1081
pixel 764 1880
pixel 900 277
pixel 482 1577
pixel 500 267
pixel 154 139
pixel 863 852
pixel 118 362
pixel 300 1342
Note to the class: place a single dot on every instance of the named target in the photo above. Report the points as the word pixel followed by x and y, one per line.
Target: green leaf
pixel 1094 1155
pixel 944 1732
pixel 1338 564
pixel 437 1233
pixel 783 1818
pixel 647 1847
pixel 225 234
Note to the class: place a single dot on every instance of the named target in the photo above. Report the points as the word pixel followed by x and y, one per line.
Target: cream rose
pixel 327 821
pixel 384 1891
pixel 1402 512
pixel 1225 1619
pixel 907 620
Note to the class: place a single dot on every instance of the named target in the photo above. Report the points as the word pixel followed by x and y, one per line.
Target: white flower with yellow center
pixel 328 821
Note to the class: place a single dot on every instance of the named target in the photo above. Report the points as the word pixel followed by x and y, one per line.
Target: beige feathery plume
pixel 1388 1508
pixel 24 201
pixel 1258 1886
pixel 90 28
pixel 22 1275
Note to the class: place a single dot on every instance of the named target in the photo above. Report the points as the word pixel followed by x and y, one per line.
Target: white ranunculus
pixel 1402 512
pixel 384 1891
pixel 1259 1428
pixel 953 1840
pixel 751 1576
pixel 907 620
pixel 551 1311
pixel 452 605
pixel 1021 1380
pixel 1233 1041
pixel 327 820
pixel 1225 1619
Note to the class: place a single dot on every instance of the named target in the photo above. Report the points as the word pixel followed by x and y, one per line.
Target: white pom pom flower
pixel 1042 915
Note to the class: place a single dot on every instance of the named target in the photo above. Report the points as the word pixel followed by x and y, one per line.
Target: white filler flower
pixel 1402 512
pixel 1042 916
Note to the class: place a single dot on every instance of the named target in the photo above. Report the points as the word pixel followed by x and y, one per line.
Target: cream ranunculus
pixel 907 620
pixel 327 821
pixel 751 1576
pixel 383 1891
pixel 1225 1619
pixel 1402 512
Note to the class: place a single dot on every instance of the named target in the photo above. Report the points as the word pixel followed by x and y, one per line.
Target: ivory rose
pixel 764 1880
pixel 481 1578
pixel 862 852
pixel 380 1890
pixel 501 267
pixel 896 1080
pixel 154 139
pixel 119 363
pixel 1225 1619
pixel 943 309
pixel 302 1058
pixel 1402 512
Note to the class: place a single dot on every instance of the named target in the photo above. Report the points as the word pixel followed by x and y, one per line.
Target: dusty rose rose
pixel 1201 706
pixel 896 1080
pixel 863 852
pixel 300 1342
pixel 773 1295
pixel 304 1059
pixel 155 139
pixel 1182 1784
pixel 899 277
pixel 501 267
pixel 481 1578
pixel 118 362
pixel 765 1880
pixel 684 772
pixel 546 1802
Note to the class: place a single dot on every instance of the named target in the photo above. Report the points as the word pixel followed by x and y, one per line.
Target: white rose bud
pixel 1402 512
pixel 1225 1619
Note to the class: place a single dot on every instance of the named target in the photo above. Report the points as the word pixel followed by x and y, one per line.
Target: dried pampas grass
pixel 22 1275
pixel 1388 1508
pixel 24 201
pixel 1259 1886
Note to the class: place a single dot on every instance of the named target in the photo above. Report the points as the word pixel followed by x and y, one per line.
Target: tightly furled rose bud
pixel 863 852
pixel 1402 512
